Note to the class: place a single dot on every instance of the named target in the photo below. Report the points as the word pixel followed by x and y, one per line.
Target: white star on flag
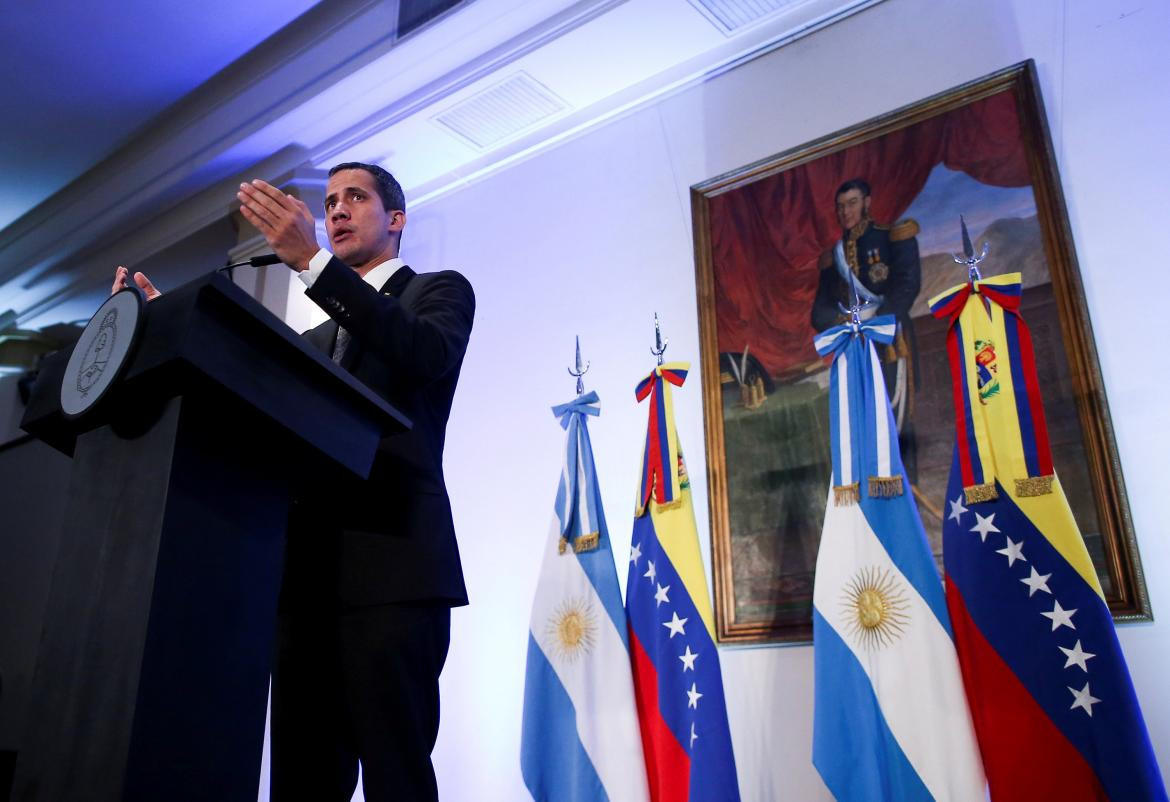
pixel 693 695
pixel 675 625
pixel 984 526
pixel 650 574
pixel 660 595
pixel 1077 656
pixel 1060 617
pixel 1037 582
pixel 693 736
pixel 635 553
pixel 688 659
pixel 957 509
pixel 1083 699
pixel 1013 551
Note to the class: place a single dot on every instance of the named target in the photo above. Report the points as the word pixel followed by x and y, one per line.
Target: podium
pixel 153 669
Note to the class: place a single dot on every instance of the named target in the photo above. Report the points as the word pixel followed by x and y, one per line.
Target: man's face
pixel 359 228
pixel 852 208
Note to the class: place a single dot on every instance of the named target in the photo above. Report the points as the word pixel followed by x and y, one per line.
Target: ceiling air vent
pixel 501 111
pixel 731 15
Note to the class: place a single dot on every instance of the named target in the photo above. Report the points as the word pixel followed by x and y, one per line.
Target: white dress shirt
pixel 375 278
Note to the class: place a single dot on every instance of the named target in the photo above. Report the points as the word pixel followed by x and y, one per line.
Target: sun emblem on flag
pixel 572 629
pixel 876 608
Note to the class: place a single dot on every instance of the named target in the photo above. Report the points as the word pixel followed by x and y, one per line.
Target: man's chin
pixel 344 252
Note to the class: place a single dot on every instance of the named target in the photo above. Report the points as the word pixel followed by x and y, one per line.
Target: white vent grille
pixel 501 111
pixel 731 15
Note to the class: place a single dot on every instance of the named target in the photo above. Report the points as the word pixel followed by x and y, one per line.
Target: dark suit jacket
pixel 390 538
pixel 888 264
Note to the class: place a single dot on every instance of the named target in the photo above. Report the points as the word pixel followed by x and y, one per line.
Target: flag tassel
pixel 973 494
pixel 1034 486
pixel 844 495
pixel 581 543
pixel 885 486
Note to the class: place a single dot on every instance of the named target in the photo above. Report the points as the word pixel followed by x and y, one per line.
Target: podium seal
pixel 102 352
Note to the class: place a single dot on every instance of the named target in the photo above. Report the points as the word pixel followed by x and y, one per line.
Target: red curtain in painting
pixel 767 237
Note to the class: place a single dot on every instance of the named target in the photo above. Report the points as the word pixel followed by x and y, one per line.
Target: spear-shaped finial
pixel 581 370
pixel 969 258
pixel 660 342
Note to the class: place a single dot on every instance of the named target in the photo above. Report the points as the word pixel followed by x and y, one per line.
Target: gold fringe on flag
pixel 885 486
pixel 1034 486
pixel 844 495
pixel 581 543
pixel 977 493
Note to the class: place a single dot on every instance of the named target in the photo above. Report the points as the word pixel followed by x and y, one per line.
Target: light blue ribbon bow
pixel 863 435
pixel 581 405
pixel 578 504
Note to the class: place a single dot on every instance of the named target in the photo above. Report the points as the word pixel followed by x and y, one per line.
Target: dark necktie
pixel 340 345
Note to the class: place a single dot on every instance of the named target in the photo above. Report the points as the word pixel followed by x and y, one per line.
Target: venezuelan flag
pixel 1054 708
pixel 677 682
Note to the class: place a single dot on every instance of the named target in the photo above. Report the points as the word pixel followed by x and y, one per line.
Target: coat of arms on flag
pixel 891 721
pixel 1050 694
pixel 677 679
pixel 580 740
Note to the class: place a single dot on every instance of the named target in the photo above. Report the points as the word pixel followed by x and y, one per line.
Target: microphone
pixel 255 261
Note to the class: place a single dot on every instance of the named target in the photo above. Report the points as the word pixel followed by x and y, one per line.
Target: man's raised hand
pixel 285 221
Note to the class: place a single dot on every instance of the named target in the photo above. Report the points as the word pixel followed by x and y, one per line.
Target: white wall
pixel 593 237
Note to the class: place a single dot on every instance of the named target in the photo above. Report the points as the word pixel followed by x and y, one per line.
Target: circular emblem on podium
pixel 101 352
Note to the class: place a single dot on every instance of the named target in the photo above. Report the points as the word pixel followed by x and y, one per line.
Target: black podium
pixel 152 674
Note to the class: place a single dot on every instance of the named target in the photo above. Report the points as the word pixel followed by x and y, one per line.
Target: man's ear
pixel 865 205
pixel 397 221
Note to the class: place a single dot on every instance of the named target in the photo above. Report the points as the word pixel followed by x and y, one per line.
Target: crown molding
pixel 179 173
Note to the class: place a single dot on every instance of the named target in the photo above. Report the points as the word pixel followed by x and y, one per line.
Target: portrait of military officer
pixel 882 263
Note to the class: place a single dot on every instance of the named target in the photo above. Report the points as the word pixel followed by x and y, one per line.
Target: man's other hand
pixel 285 222
pixel 122 274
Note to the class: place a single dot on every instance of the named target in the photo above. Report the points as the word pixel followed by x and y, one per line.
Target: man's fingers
pixel 255 219
pixel 260 205
pixel 146 286
pixel 119 280
pixel 271 197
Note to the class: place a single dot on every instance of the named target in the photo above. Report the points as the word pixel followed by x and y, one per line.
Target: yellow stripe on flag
pixel 1005 459
pixel 674 524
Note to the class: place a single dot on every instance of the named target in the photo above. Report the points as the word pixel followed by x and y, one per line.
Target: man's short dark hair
pixel 389 190
pixel 860 184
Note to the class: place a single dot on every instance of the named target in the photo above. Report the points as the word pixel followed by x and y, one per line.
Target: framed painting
pixel 890 191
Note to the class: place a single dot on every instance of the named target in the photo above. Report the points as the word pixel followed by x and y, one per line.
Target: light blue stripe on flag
pixel 579 692
pixel 565 771
pixel 875 768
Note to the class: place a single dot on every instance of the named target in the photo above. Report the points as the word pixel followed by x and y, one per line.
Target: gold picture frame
pixel 761 234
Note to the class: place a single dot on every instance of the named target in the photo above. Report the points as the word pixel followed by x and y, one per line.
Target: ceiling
pixel 88 75
pixel 134 134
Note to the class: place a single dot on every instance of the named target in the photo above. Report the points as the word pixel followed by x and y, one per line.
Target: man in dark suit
pixel 372 568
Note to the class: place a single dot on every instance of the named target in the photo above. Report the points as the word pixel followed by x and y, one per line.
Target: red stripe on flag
pixel 1039 423
pixel 1025 755
pixel 668 767
pixel 654 461
pixel 958 384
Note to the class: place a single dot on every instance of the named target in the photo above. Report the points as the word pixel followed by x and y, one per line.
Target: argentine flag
pixel 580 739
pixel 891 720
